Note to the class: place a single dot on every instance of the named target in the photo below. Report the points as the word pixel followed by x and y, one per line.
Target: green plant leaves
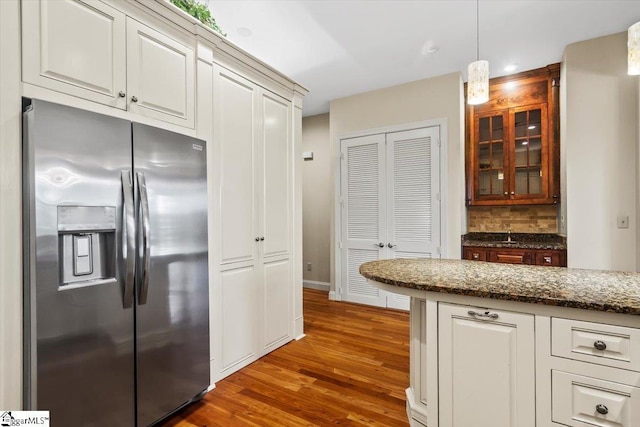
pixel 199 11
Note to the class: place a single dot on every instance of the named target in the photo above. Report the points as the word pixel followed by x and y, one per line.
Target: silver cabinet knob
pixel 261 239
pixel 257 239
pixel 380 245
pixel 600 345
pixel 389 245
pixel 513 192
pixel 506 193
pixel 134 99
pixel 602 409
pixel 121 94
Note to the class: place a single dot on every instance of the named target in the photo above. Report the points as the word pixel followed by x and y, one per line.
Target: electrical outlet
pixel 308 266
pixel 623 221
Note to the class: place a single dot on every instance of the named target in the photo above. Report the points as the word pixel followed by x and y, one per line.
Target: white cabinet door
pixel 160 76
pixel 486 367
pixel 235 133
pixel 275 142
pixel 277 305
pixel 363 220
pixel 253 189
pixel 75 47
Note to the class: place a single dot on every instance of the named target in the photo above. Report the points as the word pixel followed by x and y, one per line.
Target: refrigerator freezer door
pixel 79 342
pixel 172 320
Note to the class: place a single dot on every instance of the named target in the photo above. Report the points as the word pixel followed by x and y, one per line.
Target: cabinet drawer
pixel 475 254
pixel 608 345
pixel 552 259
pixel 511 256
pixel 582 401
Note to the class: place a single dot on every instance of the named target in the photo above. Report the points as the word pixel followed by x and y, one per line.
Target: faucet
pixel 509 235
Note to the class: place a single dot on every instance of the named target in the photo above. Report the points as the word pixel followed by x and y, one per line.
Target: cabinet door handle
pixel 602 409
pixel 134 99
pixel 600 345
pixel 257 239
pixel 121 94
pixel 380 245
pixel 506 193
pixel 262 239
pixel 486 314
pixel 389 245
pixel 513 192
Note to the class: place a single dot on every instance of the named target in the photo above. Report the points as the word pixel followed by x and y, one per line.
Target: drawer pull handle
pixel 600 345
pixel 602 409
pixel 485 314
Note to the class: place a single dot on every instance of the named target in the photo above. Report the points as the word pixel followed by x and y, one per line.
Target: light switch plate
pixel 623 221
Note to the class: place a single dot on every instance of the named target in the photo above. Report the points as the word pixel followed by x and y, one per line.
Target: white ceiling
pixel 340 48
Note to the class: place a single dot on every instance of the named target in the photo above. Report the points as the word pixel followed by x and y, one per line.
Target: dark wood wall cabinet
pixel 548 257
pixel 513 141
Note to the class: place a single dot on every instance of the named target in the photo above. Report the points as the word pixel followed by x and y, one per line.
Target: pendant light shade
pixel 478 84
pixel 633 50
pixel 478 72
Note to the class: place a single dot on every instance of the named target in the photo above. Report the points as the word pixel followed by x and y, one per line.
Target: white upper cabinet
pixel 75 47
pixel 160 75
pixel 90 50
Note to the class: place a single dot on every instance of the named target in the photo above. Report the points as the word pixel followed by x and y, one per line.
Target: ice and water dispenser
pixel 87 245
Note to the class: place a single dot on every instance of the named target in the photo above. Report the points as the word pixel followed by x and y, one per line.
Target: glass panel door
pixel 528 155
pixel 491 155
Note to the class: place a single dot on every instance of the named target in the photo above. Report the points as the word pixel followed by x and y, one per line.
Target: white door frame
pixel 442 123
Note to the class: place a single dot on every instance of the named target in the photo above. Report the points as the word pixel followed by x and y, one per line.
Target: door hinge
pixel 340 245
pixel 438 250
pixel 438 140
pixel 438 196
pixel 341 156
pixel 341 201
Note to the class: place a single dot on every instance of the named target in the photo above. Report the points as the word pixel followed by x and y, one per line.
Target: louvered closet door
pixel 363 215
pixel 413 208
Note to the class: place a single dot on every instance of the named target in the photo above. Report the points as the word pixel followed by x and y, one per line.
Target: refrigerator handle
pixel 146 255
pixel 129 229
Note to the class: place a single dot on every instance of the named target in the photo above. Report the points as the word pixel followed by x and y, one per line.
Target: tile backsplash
pixel 520 219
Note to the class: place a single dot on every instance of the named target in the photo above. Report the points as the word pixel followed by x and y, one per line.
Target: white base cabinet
pixel 486 367
pixel 479 362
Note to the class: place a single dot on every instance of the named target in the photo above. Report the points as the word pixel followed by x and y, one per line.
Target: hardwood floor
pixel 351 369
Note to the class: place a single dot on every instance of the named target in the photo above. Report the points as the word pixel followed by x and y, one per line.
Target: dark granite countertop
pixel 518 240
pixel 610 291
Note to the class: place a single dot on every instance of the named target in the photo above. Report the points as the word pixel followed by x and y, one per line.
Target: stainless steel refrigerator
pixel 116 280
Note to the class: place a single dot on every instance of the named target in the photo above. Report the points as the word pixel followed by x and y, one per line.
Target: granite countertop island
pixel 617 292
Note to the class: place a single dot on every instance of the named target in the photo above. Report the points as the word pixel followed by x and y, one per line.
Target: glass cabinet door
pixel 490 161
pixel 527 151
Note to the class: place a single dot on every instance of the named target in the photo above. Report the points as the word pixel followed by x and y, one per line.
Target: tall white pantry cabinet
pixel 147 61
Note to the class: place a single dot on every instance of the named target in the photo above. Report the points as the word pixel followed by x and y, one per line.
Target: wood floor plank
pixel 351 369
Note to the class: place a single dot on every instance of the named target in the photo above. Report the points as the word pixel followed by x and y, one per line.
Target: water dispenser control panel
pixel 87 245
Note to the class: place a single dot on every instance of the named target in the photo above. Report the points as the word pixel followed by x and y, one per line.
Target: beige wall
pixel 599 121
pixel 429 99
pixel 317 205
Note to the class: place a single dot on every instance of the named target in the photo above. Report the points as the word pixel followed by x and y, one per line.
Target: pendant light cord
pixel 477 30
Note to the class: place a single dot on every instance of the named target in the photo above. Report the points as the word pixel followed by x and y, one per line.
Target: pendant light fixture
pixel 478 72
pixel 633 50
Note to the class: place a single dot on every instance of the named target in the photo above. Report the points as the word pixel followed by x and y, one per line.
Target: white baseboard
pixel 333 296
pixel 321 286
pixel 299 337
